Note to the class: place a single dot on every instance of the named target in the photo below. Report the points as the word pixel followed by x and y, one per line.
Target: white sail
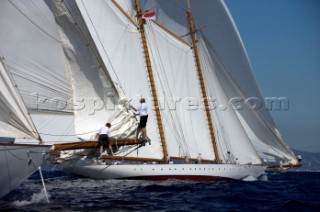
pixel 256 127
pixel 95 98
pixel 215 22
pixel 183 115
pixel 14 119
pixel 31 46
pixel 232 139
pixel 118 42
pixel 241 82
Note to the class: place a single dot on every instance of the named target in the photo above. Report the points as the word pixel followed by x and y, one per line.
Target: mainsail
pixel 226 50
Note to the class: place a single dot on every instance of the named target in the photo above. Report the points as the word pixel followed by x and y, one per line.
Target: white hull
pixel 168 171
pixel 16 165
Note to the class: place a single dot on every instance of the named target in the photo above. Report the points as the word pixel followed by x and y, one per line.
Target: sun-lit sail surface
pixel 117 40
pixel 177 82
pixel 226 49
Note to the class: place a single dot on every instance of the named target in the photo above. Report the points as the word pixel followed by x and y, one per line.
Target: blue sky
pixel 282 39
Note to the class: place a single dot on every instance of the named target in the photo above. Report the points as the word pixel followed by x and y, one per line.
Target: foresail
pixel 95 99
pixel 15 121
pixel 267 142
pixel 31 46
pixel 118 42
pixel 182 110
pixel 233 142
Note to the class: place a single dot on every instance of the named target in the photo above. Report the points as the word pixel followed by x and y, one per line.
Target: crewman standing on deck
pixel 104 138
pixel 142 111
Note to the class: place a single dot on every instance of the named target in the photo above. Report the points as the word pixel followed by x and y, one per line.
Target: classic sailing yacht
pixel 188 84
pixel 87 61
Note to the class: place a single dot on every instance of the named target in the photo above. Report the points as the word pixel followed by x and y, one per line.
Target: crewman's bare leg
pixel 101 150
pixel 110 147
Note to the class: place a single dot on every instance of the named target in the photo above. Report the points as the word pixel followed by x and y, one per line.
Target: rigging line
pixel 101 43
pixel 67 129
pixel 69 134
pixel 34 22
pixel 44 15
pixel 182 137
pixel 177 6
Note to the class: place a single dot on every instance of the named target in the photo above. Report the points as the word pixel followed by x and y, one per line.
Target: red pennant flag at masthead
pixel 150 15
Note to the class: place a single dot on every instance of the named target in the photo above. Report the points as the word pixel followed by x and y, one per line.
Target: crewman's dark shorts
pixel 143 121
pixel 103 140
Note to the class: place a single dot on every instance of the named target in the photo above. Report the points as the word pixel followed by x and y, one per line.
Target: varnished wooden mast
pixel 203 88
pixel 151 78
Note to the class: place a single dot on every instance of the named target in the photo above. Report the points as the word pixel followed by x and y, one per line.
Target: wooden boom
pixel 91 145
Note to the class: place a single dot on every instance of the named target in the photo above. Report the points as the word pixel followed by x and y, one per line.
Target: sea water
pixel 281 191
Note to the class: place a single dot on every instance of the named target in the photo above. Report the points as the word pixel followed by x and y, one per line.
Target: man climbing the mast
pixel 104 140
pixel 142 111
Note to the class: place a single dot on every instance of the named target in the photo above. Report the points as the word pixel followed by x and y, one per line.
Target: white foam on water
pixel 263 177
pixel 249 178
pixel 36 198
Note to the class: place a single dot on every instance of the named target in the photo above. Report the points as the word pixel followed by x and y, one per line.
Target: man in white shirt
pixel 142 110
pixel 104 134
